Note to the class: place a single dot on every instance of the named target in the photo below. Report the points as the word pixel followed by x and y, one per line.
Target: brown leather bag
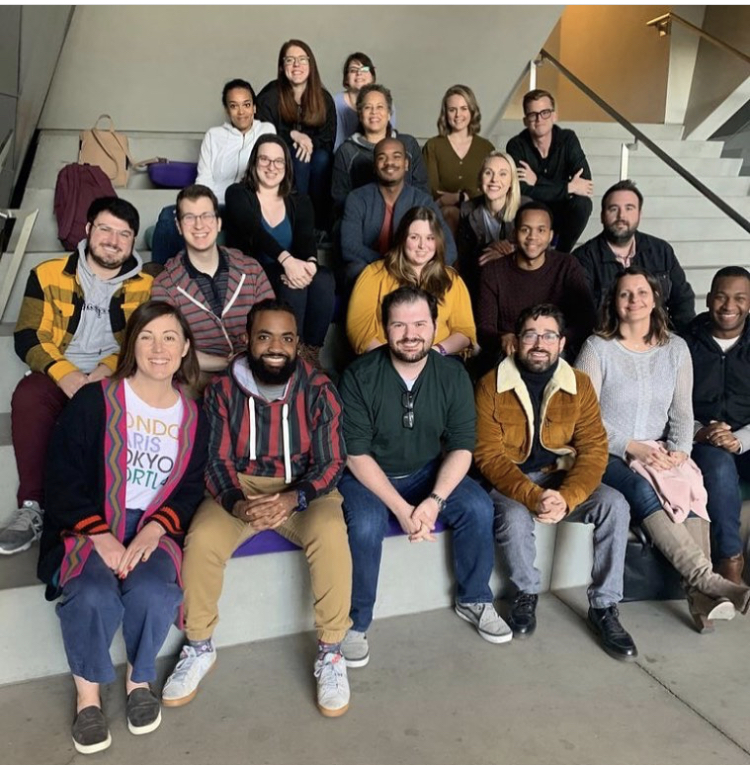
pixel 108 149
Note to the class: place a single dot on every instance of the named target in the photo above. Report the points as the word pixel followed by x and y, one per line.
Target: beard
pixel 537 365
pixel 619 236
pixel 271 376
pixel 416 356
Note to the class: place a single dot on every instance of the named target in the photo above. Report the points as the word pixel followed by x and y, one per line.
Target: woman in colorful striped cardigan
pixel 124 477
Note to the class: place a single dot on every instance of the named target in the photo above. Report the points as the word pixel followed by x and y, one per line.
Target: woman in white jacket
pixel 223 159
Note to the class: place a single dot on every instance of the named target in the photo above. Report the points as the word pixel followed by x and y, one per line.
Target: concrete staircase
pixel 269 595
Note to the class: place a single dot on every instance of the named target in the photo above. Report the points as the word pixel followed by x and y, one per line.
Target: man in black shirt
pixel 621 245
pixel 552 168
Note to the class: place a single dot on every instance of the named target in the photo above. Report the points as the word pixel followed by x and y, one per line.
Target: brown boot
pixel 684 554
pixel 311 354
pixel 731 568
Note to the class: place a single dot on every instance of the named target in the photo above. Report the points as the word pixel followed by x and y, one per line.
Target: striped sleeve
pixel 93 525
pixel 327 449
pixel 221 472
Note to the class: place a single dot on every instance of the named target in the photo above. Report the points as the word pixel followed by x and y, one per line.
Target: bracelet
pixel 439 501
pixel 285 259
pixel 441 349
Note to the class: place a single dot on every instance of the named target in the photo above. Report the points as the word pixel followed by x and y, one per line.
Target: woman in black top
pixel 266 219
pixel 305 117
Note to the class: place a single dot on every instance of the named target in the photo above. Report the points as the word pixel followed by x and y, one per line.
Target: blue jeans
pixel 721 476
pixel 94 604
pixel 314 179
pixel 638 492
pixel 468 511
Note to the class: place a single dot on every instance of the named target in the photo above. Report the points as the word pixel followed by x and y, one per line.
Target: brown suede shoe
pixel 731 568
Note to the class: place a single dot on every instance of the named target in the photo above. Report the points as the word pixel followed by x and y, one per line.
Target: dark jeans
pixel 36 405
pixel 638 492
pixel 313 306
pixel 569 220
pixel 721 475
pixel 167 241
pixel 314 179
pixel 468 512
pixel 95 603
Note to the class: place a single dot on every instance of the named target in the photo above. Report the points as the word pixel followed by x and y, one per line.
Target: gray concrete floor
pixel 434 692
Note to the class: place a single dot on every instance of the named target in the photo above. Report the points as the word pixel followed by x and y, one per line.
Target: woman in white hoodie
pixel 223 159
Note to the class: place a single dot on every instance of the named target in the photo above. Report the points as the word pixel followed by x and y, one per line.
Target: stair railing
pixel 641 137
pixel 663 25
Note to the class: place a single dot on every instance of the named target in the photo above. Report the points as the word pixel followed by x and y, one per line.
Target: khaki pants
pixel 319 530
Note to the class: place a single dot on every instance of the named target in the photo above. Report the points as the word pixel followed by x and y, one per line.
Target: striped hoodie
pixel 298 437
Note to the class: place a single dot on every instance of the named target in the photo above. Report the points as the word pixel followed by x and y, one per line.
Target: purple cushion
pixel 269 541
pixel 173 175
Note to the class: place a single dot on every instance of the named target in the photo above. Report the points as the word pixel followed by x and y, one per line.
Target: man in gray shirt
pixel 69 330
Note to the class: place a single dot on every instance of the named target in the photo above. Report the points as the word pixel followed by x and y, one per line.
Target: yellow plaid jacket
pixel 51 311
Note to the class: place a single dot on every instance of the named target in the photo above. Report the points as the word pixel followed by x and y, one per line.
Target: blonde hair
pixel 513 197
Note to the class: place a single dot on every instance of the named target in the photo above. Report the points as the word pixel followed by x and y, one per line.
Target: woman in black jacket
pixel 304 114
pixel 267 220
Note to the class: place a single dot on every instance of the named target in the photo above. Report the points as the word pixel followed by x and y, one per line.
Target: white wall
pixel 162 68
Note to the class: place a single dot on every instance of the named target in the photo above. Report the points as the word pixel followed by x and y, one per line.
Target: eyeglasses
pixel 358 70
pixel 278 162
pixel 190 219
pixel 544 114
pixel 407 401
pixel 529 337
pixel 301 61
pixel 123 234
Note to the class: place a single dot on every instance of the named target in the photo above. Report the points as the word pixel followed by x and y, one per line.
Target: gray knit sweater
pixel 643 395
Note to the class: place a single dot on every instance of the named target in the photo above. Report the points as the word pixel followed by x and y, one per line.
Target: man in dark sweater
pixel 409 431
pixel 620 245
pixel 373 212
pixel 719 342
pixel 542 445
pixel 552 168
pixel 533 274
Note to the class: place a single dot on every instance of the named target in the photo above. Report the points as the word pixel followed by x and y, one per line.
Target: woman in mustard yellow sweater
pixel 416 258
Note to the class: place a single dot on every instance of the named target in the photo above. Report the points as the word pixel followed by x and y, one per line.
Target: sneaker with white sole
pixel 333 684
pixel 488 623
pixel 24 529
pixel 356 649
pixel 182 685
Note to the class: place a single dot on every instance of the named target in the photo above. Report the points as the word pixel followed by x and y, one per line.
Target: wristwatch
pixel 439 501
pixel 301 501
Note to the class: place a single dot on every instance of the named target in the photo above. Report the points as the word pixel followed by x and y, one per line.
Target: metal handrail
pixel 647 142
pixel 663 25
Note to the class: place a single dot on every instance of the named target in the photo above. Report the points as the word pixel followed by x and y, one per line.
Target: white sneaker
pixel 333 685
pixel 182 685
pixel 24 529
pixel 356 649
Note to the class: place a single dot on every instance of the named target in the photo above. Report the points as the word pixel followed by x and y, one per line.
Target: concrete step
pixel 148 202
pixel 56 149
pixel 640 166
pixel 686 206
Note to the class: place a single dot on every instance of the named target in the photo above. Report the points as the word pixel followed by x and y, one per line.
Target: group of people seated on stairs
pixel 164 422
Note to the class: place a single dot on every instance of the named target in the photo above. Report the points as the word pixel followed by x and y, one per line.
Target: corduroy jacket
pixel 571 427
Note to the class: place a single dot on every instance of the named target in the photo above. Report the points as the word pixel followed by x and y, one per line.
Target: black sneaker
pixel 90 731
pixel 522 618
pixel 143 711
pixel 615 641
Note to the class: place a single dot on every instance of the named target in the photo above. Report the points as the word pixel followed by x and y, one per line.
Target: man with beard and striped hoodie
pixel 276 453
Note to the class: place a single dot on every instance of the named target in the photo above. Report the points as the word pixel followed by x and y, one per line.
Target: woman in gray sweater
pixel 644 378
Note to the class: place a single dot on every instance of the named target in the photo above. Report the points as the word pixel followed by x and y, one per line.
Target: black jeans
pixel 569 220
